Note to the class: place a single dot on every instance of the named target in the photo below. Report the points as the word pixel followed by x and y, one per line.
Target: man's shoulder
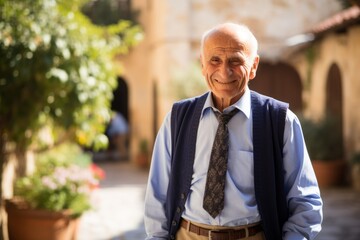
pixel 267 100
pixel 188 108
pixel 188 101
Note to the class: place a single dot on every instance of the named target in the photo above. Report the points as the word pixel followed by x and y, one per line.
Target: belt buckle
pixel 212 231
pixel 230 232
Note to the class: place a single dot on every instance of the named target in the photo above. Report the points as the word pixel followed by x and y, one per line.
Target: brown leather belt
pixel 222 234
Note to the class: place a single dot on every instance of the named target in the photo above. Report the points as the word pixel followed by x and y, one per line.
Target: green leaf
pixel 56 68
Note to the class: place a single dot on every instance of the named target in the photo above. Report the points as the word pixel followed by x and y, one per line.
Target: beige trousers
pixel 183 234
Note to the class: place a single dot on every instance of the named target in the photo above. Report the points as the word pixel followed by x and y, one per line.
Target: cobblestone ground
pixel 341 214
pixel 119 208
pixel 118 211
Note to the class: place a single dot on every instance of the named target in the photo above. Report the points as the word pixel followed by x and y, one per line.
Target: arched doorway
pixel 280 81
pixel 334 99
pixel 120 102
pixel 118 130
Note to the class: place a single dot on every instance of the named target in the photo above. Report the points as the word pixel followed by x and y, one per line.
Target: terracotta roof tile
pixel 340 19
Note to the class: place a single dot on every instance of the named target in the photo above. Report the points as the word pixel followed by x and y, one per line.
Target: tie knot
pixel 224 118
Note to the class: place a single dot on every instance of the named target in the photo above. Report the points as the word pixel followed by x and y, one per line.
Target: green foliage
pixel 144 146
pixel 56 69
pixel 105 12
pixel 323 139
pixel 355 158
pixel 347 3
pixel 187 83
pixel 63 155
pixel 61 181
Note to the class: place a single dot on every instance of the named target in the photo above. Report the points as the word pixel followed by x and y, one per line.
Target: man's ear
pixel 254 67
pixel 202 65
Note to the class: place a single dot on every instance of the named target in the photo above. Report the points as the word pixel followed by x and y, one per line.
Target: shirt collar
pixel 243 104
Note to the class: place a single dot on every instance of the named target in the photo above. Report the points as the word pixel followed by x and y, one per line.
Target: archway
pixel 334 96
pixel 280 81
pixel 118 130
pixel 120 102
pixel 334 100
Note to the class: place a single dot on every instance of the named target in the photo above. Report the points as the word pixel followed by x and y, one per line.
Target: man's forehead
pixel 215 44
pixel 228 40
pixel 225 50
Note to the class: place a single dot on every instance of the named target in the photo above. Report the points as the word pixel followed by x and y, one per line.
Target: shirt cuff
pixel 155 238
pixel 293 236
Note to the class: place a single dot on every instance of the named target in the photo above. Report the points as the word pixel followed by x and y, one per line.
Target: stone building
pixel 328 67
pixel 173 30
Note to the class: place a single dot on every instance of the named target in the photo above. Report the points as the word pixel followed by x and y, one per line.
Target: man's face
pixel 227 66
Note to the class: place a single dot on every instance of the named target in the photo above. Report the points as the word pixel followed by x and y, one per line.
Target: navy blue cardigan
pixel 268 130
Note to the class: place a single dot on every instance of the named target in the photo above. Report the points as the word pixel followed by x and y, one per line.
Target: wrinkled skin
pixel 228 62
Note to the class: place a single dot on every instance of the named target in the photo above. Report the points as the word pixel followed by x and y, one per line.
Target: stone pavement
pixel 118 211
pixel 341 214
pixel 119 208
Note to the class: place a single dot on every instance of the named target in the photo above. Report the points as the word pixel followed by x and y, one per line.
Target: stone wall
pixel 343 50
pixel 173 30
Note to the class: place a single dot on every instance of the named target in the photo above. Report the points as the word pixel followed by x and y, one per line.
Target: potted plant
pixel 355 170
pixel 49 203
pixel 325 146
pixel 142 158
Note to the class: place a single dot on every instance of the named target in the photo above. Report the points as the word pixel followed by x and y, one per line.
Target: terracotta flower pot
pixel 329 173
pixel 355 172
pixel 28 224
pixel 142 160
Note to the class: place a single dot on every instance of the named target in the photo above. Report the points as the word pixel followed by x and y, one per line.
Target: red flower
pixel 98 172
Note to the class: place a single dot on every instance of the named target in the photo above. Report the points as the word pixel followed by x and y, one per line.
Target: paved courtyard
pixel 118 213
pixel 341 215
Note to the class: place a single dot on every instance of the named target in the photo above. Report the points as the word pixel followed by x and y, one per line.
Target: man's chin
pixel 225 93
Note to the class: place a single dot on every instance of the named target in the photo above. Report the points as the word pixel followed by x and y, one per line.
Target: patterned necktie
pixel 215 182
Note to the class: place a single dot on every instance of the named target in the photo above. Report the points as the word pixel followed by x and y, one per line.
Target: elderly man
pixel 232 163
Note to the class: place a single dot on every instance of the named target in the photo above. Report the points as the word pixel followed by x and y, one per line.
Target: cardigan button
pixel 172 237
pixel 178 209
pixel 174 223
pixel 182 196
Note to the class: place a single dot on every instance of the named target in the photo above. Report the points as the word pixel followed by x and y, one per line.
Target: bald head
pixel 233 31
pixel 229 61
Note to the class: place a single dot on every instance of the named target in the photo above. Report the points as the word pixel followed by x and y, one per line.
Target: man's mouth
pixel 225 83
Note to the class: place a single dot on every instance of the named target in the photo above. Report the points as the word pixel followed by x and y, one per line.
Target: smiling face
pixel 228 62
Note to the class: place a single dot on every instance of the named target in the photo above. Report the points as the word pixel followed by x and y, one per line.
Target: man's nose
pixel 226 70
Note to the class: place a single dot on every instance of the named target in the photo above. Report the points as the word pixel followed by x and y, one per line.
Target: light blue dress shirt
pixel 303 195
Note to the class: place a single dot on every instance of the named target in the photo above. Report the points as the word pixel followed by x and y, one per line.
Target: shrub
pixel 323 139
pixel 59 182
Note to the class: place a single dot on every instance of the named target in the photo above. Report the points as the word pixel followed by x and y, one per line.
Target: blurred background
pixel 100 76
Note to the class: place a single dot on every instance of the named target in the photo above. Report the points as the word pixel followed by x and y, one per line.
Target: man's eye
pixel 215 60
pixel 235 62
